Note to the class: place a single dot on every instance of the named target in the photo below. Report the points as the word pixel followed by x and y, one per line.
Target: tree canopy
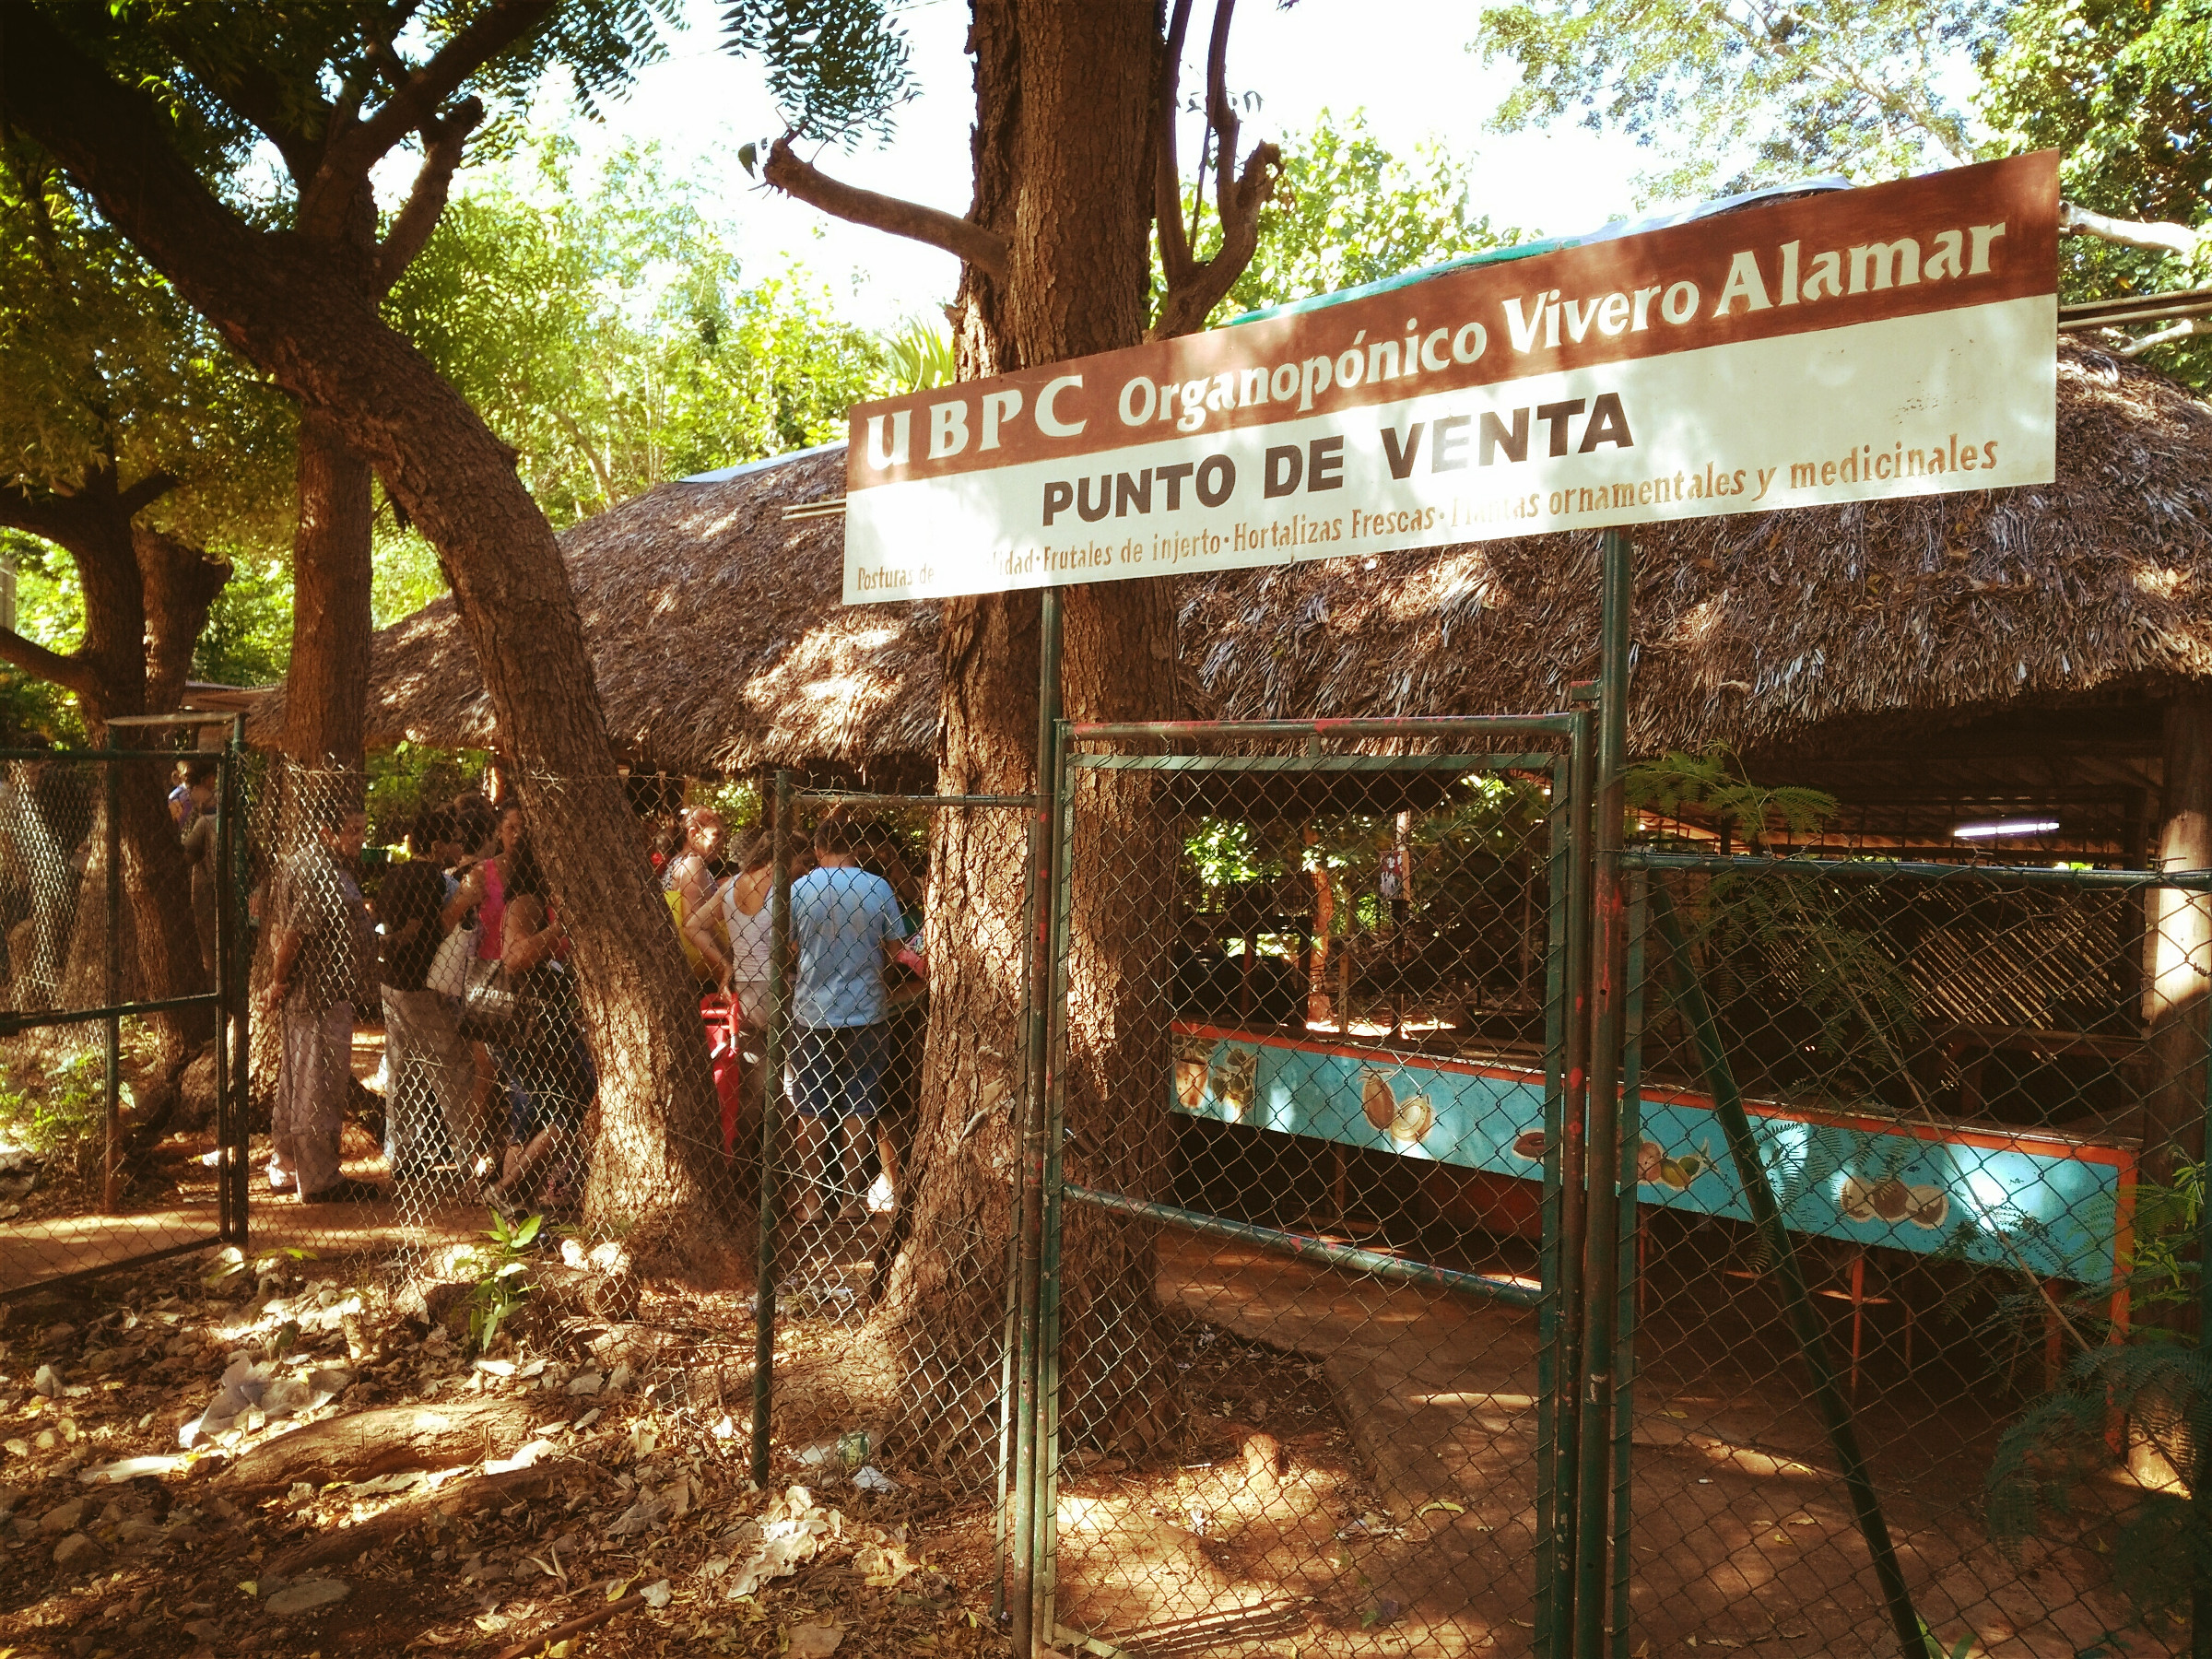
pixel 1732 94
pixel 602 326
pixel 1346 211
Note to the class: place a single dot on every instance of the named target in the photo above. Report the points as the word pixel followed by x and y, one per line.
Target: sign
pixel 2004 1198
pixel 1898 340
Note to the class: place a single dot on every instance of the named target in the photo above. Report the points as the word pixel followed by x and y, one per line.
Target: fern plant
pixel 1715 779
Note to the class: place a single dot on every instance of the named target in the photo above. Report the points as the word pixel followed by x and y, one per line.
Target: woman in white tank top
pixel 744 905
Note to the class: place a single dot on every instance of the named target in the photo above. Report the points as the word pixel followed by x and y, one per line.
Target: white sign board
pixel 1893 341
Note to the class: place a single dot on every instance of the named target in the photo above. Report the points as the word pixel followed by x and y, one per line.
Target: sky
pixel 1406 63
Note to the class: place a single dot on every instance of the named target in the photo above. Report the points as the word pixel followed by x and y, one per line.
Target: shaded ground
pixel 1417 1532
pixel 641 1434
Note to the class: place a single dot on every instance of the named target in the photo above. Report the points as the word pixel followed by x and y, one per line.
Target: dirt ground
pixel 646 1488
pixel 1358 1473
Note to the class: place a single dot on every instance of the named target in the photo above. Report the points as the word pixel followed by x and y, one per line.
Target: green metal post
pixel 1812 1344
pixel 238 986
pixel 771 1111
pixel 1609 964
pixel 1559 1329
pixel 1027 1405
pixel 112 1169
pixel 1055 1137
pixel 1631 1142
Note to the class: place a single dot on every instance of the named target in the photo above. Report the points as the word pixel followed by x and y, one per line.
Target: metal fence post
pixel 236 870
pixel 112 1169
pixel 1031 1213
pixel 779 992
pixel 2200 1488
pixel 226 820
pixel 1629 1272
pixel 1563 1158
pixel 1603 1211
pixel 1055 984
pixel 1766 1215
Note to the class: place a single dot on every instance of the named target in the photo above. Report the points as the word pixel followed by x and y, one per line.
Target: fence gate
pixel 1899 1354
pixel 92 1179
pixel 829 1113
pixel 1310 1227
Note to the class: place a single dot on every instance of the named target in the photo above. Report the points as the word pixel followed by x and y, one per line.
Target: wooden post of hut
pixel 1325 916
pixel 2179 953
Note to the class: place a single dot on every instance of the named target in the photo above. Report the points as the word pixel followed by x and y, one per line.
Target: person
pixel 687 880
pixel 483 882
pixel 200 782
pixel 319 938
pixel 550 1081
pixel 741 906
pixel 845 924
pixel 430 1070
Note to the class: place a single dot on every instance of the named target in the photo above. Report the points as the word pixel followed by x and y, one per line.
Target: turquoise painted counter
pixel 2058 1206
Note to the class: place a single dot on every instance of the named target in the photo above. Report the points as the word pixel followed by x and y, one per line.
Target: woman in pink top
pixel 484 886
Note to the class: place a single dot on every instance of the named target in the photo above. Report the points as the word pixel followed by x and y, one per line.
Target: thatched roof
pixel 721 643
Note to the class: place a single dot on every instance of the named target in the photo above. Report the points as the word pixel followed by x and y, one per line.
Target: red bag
pixel 729 1075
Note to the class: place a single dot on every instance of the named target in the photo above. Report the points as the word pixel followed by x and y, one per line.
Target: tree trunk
pixel 2181 949
pixel 1063 160
pixel 945 1295
pixel 326 682
pixel 285 307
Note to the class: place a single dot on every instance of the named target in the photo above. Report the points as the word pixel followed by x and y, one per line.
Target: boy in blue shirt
pixel 846 925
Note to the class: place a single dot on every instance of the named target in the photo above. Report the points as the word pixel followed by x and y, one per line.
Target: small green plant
pixel 1933 1644
pixel 62 1116
pixel 230 1260
pixel 502 1290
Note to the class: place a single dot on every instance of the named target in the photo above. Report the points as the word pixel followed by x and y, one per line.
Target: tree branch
pixel 2158 238
pixel 1220 114
pixel 146 492
pixel 986 250
pixel 249 87
pixel 442 143
pixel 70 673
pixel 2167 336
pixel 1167 197
pixel 1186 308
pixel 415 105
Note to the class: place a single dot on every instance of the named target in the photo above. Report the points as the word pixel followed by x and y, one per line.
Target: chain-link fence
pixel 884 1076
pixel 1276 1298
pixel 119 1111
pixel 1301 1297
pixel 1906 1340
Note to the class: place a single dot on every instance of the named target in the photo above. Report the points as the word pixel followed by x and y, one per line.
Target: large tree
pixel 293 301
pixel 2124 91
pixel 1074 165
pixel 332 90
pixel 135 443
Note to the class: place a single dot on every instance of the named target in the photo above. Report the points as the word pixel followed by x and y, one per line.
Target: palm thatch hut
pixel 2030 652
